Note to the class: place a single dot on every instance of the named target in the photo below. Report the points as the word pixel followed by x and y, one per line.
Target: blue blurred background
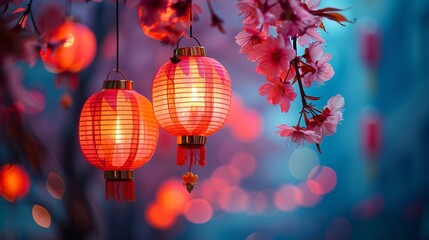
pixel 369 183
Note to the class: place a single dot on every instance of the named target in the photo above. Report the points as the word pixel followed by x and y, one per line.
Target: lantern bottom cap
pixel 191 140
pixel 119 175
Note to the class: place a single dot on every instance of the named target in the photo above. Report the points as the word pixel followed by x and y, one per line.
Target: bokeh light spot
pixel 286 197
pixel 14 182
pixel 55 185
pixel 229 173
pixel 158 217
pixel 234 200
pixel 307 198
pixel 252 128
pixel 302 161
pixel 198 211
pixel 322 180
pixel 41 216
pixel 245 162
pixel 171 196
pixel 260 203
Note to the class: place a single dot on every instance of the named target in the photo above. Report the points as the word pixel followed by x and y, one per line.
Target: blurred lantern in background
pixel 372 138
pixel 163 22
pixel 191 100
pixel 371 44
pixel 70 48
pixel 371 50
pixel 118 133
pixel 14 182
pixel 372 133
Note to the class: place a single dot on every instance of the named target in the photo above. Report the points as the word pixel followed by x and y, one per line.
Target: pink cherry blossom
pixel 278 92
pixel 275 56
pixel 297 21
pixel 312 4
pixel 326 123
pixel 310 34
pixel 298 135
pixel 248 39
pixel 318 60
pixel 252 15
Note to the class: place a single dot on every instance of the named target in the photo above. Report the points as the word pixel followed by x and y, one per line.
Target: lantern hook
pixel 180 39
pixel 175 59
pixel 116 71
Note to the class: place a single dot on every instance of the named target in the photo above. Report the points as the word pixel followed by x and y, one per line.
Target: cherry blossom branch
pixel 216 21
pixel 298 75
pixel 295 22
pixel 20 25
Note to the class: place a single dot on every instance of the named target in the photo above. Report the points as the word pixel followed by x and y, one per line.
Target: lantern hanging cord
pixel 117 36
pixel 191 19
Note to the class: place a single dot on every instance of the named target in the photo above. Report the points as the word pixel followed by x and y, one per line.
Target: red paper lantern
pixel 191 100
pixel 118 133
pixel 71 48
pixel 14 182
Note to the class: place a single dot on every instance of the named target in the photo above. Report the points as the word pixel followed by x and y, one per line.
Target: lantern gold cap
pixel 119 175
pixel 190 51
pixel 118 84
pixel 191 140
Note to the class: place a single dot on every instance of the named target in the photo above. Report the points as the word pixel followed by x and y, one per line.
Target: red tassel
pixel 120 190
pixel 191 154
pixel 202 160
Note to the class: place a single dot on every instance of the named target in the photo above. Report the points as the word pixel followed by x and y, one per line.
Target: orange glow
pixel 76 50
pixel 55 185
pixel 158 217
pixel 198 211
pixel 245 163
pixel 41 216
pixel 171 196
pixel 286 198
pixel 192 97
pixel 14 182
pixel 117 130
pixel 159 29
pixel 322 180
pixel 250 131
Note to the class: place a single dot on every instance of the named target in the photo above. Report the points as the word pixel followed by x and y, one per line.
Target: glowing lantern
pixel 71 48
pixel 167 26
pixel 118 133
pixel 191 100
pixel 14 182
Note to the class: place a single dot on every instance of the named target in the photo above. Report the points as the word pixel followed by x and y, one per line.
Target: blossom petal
pixel 336 103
